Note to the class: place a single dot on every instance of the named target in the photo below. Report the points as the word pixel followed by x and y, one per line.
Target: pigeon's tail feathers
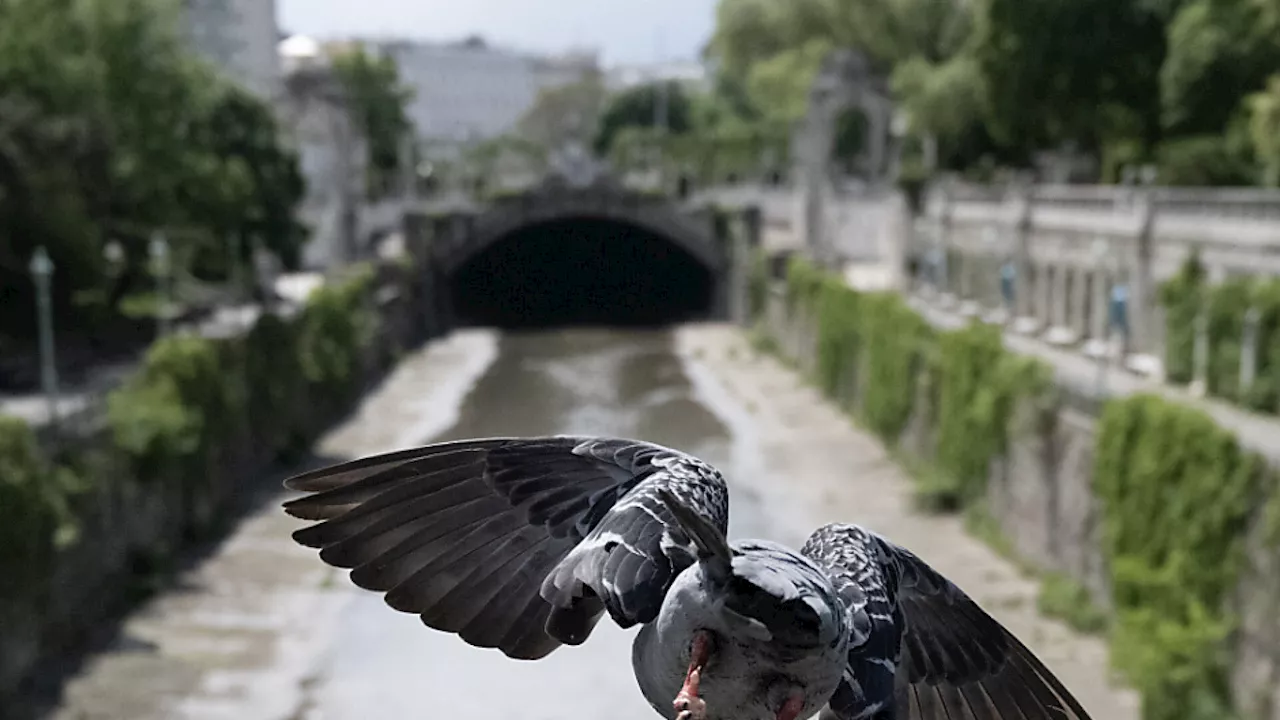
pixel 712 546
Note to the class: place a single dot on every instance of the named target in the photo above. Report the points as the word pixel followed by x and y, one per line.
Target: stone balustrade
pixel 1078 265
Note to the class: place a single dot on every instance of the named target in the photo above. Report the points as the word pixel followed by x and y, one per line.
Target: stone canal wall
pixel 88 522
pixel 1145 520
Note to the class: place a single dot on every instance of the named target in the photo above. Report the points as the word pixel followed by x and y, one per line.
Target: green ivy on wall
pixel 1182 297
pixel 36 511
pixel 1176 490
pixel 873 351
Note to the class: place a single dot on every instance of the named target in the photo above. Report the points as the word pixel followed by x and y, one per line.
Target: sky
pixel 624 31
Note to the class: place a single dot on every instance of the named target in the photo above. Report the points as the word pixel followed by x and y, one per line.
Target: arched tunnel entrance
pixel 582 271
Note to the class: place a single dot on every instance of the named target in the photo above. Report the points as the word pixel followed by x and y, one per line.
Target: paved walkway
pixel 1257 432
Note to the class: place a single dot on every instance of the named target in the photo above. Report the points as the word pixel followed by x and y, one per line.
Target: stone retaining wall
pixel 1040 494
pixel 131 532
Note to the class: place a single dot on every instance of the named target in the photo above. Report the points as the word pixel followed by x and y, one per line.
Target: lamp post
pixel 42 273
pixel 158 249
pixel 113 254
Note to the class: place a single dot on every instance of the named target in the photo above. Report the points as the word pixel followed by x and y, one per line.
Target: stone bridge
pixel 564 253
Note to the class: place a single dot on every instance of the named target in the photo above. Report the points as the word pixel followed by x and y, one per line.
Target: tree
pixel 380 103
pixel 1050 83
pixel 110 131
pixel 564 113
pixel 1264 128
pixel 1219 52
pixel 638 108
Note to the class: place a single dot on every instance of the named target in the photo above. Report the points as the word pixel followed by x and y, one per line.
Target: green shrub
pixel 896 352
pixel 1228 304
pixel 979 386
pixel 875 342
pixel 36 517
pixel 1068 600
pixel 837 309
pixel 1264 395
pixel 1204 160
pixel 171 417
pixel 1176 490
pixel 1182 297
pixel 334 329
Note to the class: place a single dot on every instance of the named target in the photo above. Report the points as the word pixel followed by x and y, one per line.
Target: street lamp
pixel 42 273
pixel 158 249
pixel 113 254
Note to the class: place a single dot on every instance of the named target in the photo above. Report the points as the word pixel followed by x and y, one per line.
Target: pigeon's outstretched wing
pixel 921 641
pixel 519 544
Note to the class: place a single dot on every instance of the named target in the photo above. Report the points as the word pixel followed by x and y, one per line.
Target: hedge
pixel 1177 492
pixel 175 424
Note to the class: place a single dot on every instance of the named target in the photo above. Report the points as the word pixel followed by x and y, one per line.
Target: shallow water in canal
pixel 385 664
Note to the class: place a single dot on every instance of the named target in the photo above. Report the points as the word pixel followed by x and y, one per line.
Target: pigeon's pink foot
pixel 688 705
pixel 792 707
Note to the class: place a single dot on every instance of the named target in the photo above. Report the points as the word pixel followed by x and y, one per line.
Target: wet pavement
pixel 264 630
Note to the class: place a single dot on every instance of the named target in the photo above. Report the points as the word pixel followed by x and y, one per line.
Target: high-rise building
pixel 239 37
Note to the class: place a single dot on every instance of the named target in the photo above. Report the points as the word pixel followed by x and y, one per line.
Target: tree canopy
pixel 380 104
pixel 1128 81
pixel 111 131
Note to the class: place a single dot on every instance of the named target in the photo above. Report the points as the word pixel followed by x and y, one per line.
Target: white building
pixel 692 74
pixel 468 91
pixel 332 154
pixel 240 38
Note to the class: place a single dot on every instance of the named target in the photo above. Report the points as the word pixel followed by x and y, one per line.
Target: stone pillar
pixel 1100 310
pixel 964 271
pixel 1061 285
pixel 1044 294
pixel 1141 290
pixel 1080 301
pixel 1023 300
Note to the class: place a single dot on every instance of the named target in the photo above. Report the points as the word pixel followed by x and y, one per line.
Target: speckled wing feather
pixel 923 650
pixel 519 544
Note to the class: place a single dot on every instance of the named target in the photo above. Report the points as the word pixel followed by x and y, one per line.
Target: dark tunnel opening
pixel 582 271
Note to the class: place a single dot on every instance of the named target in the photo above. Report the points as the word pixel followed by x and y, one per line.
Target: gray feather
pixel 925 650
pixel 519 544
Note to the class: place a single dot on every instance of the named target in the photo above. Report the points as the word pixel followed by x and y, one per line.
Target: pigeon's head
pixel 781 598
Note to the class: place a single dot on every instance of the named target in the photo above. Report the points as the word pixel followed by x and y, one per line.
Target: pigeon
pixel 523 544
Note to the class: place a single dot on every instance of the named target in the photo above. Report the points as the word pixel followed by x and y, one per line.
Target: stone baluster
pixel 1080 308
